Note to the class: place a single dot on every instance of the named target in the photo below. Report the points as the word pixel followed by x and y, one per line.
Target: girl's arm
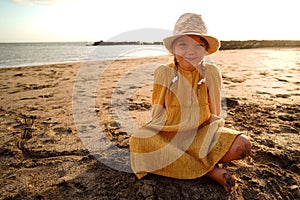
pixel 160 87
pixel 214 84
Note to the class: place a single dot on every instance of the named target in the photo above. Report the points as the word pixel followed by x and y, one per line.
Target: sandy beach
pixel 47 152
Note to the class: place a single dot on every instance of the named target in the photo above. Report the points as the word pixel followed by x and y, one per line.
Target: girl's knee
pixel 247 142
pixel 244 146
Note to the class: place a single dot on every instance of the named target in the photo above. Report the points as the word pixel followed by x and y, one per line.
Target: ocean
pixel 31 54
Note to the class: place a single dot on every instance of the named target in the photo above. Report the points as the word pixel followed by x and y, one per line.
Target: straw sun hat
pixel 191 24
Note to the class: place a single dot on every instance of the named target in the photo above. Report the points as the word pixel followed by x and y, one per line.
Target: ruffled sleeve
pixel 214 84
pixel 160 88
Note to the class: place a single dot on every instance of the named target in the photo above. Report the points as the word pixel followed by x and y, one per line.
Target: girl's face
pixel 189 51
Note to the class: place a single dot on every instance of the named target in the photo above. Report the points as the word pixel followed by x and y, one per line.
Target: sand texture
pixel 47 149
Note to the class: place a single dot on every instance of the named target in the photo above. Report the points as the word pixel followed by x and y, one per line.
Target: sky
pixel 94 20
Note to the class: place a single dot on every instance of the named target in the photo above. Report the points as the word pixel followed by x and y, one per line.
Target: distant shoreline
pixel 101 42
pixel 225 45
pixel 249 44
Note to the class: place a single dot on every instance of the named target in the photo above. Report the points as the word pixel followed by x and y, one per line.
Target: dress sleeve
pixel 160 88
pixel 214 84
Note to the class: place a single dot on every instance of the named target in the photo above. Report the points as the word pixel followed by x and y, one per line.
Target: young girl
pixel 186 137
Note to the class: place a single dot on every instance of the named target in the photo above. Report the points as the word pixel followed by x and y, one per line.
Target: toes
pixel 230 182
pixel 224 178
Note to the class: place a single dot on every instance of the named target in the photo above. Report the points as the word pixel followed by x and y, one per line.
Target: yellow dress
pixel 186 137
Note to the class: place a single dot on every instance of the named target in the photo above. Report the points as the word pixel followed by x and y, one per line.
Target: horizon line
pixel 141 41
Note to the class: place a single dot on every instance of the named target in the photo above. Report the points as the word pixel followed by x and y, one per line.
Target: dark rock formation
pixel 225 45
pixel 248 44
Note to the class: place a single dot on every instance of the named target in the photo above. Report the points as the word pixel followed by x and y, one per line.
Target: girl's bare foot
pixel 224 178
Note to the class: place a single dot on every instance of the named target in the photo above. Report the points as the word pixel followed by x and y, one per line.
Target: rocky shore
pixel 249 44
pixel 43 155
pixel 225 45
pixel 101 42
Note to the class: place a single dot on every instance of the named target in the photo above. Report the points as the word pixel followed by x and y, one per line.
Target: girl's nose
pixel 190 51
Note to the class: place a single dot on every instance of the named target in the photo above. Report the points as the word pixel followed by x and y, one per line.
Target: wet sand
pixel 45 124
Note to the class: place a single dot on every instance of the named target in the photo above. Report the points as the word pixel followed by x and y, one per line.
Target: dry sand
pixel 43 149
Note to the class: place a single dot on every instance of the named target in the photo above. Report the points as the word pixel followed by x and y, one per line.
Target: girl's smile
pixel 189 51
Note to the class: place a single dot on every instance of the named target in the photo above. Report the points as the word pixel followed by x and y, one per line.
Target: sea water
pixel 29 54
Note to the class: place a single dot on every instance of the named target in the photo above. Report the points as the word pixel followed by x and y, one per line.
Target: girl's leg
pixel 239 149
pixel 223 177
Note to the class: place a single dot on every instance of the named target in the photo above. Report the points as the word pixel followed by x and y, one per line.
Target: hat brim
pixel 213 43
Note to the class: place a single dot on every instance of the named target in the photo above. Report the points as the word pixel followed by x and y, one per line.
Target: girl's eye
pixel 200 46
pixel 182 44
